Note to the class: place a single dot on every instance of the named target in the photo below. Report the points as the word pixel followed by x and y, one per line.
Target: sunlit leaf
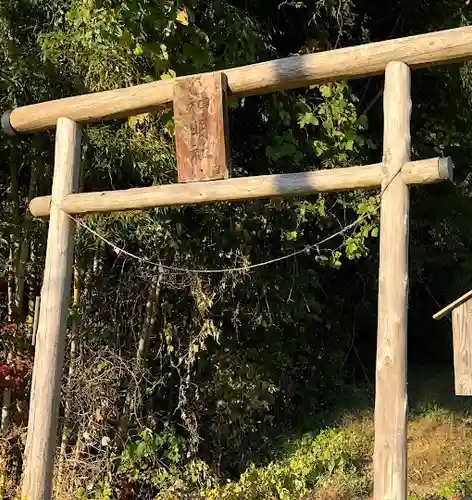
pixel 182 16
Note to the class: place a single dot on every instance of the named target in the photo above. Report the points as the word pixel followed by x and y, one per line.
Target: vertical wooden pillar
pixel 50 339
pixel 390 454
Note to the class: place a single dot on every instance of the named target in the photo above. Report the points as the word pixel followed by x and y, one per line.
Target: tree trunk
pixel 6 406
pixel 16 233
pixel 13 263
pixel 150 319
pixel 6 412
pixel 147 328
pixel 11 282
pixel 24 253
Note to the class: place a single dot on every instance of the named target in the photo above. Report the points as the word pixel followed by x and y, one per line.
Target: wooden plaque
pixel 462 343
pixel 201 127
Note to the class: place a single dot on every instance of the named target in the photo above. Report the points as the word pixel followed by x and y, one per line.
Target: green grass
pixel 335 463
pixel 334 460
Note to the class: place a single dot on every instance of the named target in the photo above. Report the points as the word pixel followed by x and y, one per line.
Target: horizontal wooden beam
pixel 245 188
pixel 446 310
pixel 292 72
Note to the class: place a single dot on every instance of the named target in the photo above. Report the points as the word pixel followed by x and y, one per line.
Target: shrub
pixel 314 460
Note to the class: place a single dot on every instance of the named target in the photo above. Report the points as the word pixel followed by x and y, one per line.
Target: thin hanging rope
pixel 181 270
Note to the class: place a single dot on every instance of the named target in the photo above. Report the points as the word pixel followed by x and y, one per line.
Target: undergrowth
pixel 333 456
pixel 332 463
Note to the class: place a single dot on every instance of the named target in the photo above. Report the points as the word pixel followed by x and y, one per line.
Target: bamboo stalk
pixel 15 236
pixel 418 51
pixel 150 318
pixel 6 406
pixel 245 188
pixel 11 282
pixel 6 412
pixel 24 254
pixel 37 305
pixel 390 453
pixel 14 256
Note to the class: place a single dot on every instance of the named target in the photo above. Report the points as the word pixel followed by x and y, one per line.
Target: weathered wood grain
pixel 201 128
pixel 417 51
pixel 462 344
pixel 245 188
pixel 390 451
pixel 51 333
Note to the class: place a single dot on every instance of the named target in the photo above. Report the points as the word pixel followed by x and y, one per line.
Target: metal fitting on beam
pixel 6 124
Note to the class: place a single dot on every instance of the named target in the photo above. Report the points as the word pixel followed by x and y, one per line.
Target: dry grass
pixel 439 449
pixel 439 455
pixel 439 444
pixel 439 452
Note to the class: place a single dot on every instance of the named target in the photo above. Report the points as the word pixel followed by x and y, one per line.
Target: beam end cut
pixel 446 169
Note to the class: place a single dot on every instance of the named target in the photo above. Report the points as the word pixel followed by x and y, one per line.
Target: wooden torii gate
pixel 202 155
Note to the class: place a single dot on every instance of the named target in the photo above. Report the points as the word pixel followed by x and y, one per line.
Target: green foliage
pixel 332 129
pixel 152 459
pixel 232 360
pixel 108 44
pixel 460 487
pixel 333 122
pixel 101 491
pixel 313 460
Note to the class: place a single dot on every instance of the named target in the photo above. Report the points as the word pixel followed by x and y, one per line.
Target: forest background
pixel 253 384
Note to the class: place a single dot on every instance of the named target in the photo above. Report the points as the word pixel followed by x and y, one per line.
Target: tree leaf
pixel 308 118
pixel 326 91
pixel 182 17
